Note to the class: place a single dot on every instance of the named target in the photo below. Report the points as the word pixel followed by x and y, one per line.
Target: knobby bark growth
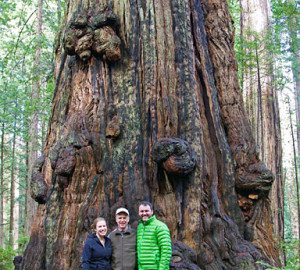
pixel 147 106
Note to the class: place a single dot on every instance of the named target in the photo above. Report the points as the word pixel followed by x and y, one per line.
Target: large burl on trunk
pixel 147 107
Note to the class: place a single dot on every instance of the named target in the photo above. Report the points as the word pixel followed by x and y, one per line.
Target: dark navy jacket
pixel 94 255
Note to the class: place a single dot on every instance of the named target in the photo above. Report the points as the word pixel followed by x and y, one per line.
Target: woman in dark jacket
pixel 96 252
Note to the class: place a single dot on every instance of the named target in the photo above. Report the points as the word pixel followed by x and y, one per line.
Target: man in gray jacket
pixel 123 241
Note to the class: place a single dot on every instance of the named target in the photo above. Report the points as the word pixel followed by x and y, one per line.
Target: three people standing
pixel 148 248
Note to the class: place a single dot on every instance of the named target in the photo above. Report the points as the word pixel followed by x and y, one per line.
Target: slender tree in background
pixel 33 143
pixel 261 99
pixel 147 106
pixel 2 182
pixel 295 165
pixel 12 228
pixel 59 11
pixel 293 20
pixel 3 109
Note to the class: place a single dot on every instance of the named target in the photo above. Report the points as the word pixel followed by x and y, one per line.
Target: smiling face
pixel 145 212
pixel 101 228
pixel 122 220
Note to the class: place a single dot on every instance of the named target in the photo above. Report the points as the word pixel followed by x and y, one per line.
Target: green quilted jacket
pixel 153 245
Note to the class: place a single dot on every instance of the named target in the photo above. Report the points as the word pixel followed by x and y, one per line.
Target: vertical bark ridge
pixel 167 104
pixel 35 259
pixel 189 128
pixel 148 86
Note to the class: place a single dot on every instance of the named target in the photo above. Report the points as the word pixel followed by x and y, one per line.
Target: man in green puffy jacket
pixel 153 240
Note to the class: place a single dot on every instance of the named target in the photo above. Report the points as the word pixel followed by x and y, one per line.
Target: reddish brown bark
pixel 155 125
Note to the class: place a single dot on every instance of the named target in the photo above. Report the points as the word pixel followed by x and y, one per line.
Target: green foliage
pixel 251 48
pixel 7 254
pixel 22 243
pixel 286 21
pixel 291 248
pixel 235 12
pixel 5 8
pixel 6 258
pixel 282 41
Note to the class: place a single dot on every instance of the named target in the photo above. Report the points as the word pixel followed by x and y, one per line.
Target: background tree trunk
pixel 59 11
pixel 262 101
pixel 293 23
pixel 296 168
pixel 33 144
pixel 163 123
pixel 2 185
pixel 13 232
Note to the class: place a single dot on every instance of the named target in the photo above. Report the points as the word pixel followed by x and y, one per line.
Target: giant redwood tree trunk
pixel 147 107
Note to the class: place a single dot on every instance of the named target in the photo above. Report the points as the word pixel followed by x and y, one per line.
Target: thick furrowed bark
pixel 258 179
